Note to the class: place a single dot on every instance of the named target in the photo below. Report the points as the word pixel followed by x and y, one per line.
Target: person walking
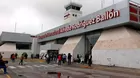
pixel 21 60
pixel 42 56
pixel 48 58
pixel 86 58
pixel 32 56
pixel 2 65
pixel 78 58
pixel 13 57
pixel 59 59
pixel 26 55
pixel 90 60
pixel 82 60
pixel 69 58
pixel 16 55
pixel 64 58
pixel 0 55
pixel 55 58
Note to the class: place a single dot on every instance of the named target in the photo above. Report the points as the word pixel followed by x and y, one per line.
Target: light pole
pixel 113 1
pixel 102 3
pixel 41 27
pixel 15 26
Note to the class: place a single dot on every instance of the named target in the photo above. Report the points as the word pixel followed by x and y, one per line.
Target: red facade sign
pixel 84 23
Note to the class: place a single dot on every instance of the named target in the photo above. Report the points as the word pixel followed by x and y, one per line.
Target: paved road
pixel 42 70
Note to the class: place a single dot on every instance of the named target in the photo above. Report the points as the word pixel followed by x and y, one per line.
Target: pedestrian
pixel 26 55
pixel 62 55
pixel 82 60
pixel 21 60
pixel 32 56
pixel 69 58
pixel 90 60
pixel 64 58
pixel 78 58
pixel 59 59
pixel 55 57
pixel 2 65
pixel 48 58
pixel 16 55
pixel 0 55
pixel 13 57
pixel 42 56
pixel 86 58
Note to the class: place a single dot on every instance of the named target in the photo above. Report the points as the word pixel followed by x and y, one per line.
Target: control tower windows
pixel 78 8
pixel 73 7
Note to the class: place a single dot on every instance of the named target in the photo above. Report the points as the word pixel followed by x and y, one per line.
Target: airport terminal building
pixel 111 35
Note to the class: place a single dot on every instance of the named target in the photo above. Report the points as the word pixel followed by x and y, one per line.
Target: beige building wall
pixel 35 46
pixel 118 46
pixel 74 45
pixel 7 49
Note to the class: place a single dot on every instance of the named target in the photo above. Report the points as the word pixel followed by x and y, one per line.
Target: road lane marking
pixel 36 65
pixel 21 66
pixel 11 67
pixel 55 64
pixel 42 65
pixel 8 76
pixel 28 66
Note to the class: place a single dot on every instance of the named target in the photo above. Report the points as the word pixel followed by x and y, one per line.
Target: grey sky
pixel 31 14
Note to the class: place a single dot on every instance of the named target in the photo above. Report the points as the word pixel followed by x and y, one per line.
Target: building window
pixel 75 15
pixel 23 46
pixel 43 43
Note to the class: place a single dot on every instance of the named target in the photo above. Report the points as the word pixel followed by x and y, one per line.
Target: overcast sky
pixel 29 15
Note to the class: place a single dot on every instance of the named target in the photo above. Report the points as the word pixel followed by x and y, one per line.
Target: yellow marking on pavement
pixel 41 61
pixel 8 76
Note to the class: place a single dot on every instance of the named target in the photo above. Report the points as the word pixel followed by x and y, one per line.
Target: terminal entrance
pixel 90 40
pixel 52 52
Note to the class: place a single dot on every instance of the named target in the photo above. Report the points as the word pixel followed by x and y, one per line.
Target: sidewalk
pixel 115 69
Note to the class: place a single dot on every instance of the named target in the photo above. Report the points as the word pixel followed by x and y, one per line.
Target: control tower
pixel 72 11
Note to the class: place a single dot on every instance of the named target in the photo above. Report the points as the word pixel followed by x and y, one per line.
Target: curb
pixel 110 69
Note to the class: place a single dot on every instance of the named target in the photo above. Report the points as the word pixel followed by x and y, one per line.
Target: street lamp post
pixel 15 26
